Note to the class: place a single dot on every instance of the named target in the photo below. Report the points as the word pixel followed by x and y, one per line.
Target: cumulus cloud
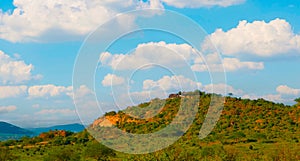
pixel 7 109
pixel 285 94
pixel 58 19
pixel 112 80
pixel 87 106
pixel 12 91
pixel 37 91
pixel 82 92
pixel 172 83
pixel 174 56
pixel 259 38
pixel 228 64
pixel 144 96
pixel 48 91
pixel 202 3
pixel 286 90
pixel 233 64
pixel 151 89
pixel 158 53
pixel 270 97
pixel 14 71
pixel 151 4
pixel 221 89
pixel 56 111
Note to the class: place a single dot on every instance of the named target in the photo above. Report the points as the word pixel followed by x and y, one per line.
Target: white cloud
pixel 158 53
pixel 274 98
pixel 229 65
pixel 57 19
pixel 233 64
pixel 82 92
pixel 152 4
pixel 270 97
pixel 286 90
pixel 285 94
pixel 112 80
pixel 140 97
pixel 221 89
pixel 160 88
pixel 7 109
pixel 172 83
pixel 35 91
pixel 86 105
pixel 56 111
pixel 202 3
pixel 174 56
pixel 48 91
pixel 260 38
pixel 14 71
pixel 12 91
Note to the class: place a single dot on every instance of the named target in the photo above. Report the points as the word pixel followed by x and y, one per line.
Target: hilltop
pixel 247 130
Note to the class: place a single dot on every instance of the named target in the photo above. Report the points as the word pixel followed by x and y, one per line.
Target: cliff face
pixel 106 121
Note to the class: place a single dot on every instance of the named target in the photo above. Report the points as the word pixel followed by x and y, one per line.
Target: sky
pixel 250 48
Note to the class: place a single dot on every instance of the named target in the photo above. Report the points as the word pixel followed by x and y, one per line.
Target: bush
pixel 65 154
pixel 98 151
pixel 6 155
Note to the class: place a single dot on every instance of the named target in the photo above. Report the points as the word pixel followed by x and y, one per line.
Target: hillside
pixel 9 131
pixel 6 128
pixel 246 130
pixel 251 125
pixel 269 120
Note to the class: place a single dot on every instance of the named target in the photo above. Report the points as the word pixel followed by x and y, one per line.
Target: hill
pixel 247 130
pixel 9 131
pixel 251 117
pixel 68 127
pixel 6 128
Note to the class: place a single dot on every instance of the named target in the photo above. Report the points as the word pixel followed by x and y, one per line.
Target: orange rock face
pixel 56 133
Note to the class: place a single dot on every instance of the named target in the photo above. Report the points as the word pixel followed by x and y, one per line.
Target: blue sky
pixel 258 41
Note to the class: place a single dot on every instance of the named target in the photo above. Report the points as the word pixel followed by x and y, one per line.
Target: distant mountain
pixel 6 128
pixel 9 131
pixel 69 127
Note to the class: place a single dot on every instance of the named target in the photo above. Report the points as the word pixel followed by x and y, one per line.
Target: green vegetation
pixel 247 130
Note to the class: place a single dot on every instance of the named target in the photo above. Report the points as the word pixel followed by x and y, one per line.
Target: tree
pixel 179 93
pixel 65 154
pixel 297 100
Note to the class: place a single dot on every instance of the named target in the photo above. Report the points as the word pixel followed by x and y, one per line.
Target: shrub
pixel 98 151
pixel 6 155
pixel 65 154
